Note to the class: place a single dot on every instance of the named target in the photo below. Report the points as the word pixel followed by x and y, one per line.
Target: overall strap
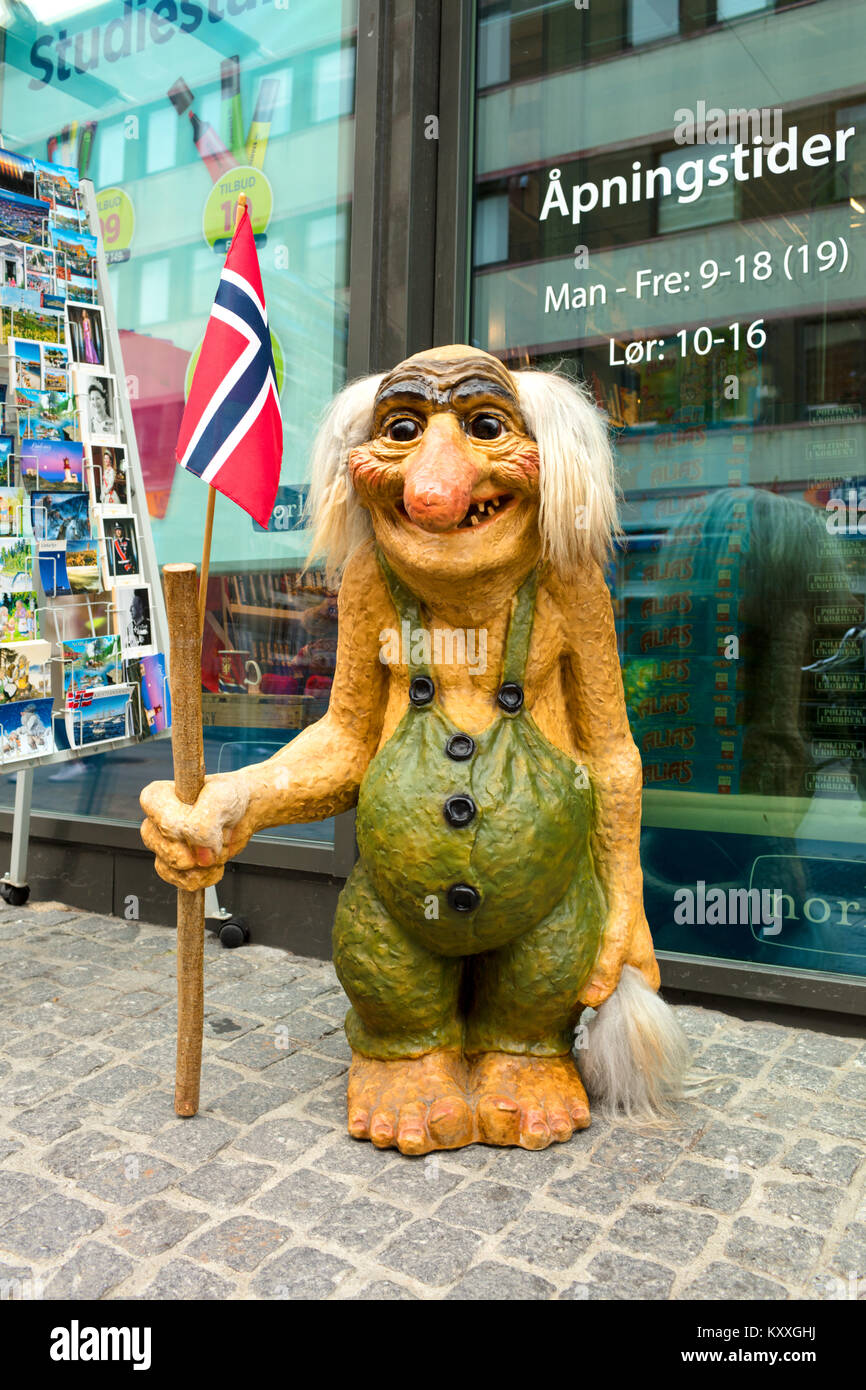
pixel 520 631
pixel 408 611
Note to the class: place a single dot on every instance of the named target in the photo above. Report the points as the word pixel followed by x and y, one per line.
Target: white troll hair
pixel 637 1056
pixel 340 524
pixel 577 514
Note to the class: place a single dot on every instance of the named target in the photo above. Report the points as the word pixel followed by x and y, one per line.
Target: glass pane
pixel 683 229
pixel 172 114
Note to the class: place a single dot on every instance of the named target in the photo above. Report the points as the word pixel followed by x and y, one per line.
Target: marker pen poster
pixel 260 126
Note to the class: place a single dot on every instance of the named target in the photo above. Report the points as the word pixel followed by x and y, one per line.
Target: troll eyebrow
pixel 407 389
pixel 482 386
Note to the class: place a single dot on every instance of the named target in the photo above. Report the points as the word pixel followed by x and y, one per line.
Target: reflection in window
pixel 491 229
pixel 733 9
pixel 161 139
pixel 649 20
pixel 712 205
pixel 333 84
pixel 494 49
pixel 153 303
pixel 111 151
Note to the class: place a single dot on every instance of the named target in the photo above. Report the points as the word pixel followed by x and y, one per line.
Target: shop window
pixel 651 20
pixel 334 84
pixel 161 140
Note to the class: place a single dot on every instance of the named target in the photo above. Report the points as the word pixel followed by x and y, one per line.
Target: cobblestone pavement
pixel 756 1193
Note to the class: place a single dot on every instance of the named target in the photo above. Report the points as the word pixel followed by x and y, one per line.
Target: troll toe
pixel 528 1101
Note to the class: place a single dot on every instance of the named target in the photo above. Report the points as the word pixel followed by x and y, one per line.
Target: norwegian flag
pixel 231 435
pixel 77 699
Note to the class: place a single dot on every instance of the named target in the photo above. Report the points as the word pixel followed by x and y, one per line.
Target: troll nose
pixel 438 485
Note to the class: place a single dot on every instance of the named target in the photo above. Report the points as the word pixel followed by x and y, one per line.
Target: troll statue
pixel 498 891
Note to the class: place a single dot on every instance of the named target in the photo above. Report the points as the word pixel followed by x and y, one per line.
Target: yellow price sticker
pixel 220 210
pixel 116 222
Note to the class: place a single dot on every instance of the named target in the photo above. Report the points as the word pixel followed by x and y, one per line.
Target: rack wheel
pixel 233 933
pixel 16 894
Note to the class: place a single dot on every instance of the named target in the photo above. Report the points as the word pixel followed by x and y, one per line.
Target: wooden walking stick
pixel 182 610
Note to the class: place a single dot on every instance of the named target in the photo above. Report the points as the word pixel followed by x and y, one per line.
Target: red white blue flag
pixel 231 435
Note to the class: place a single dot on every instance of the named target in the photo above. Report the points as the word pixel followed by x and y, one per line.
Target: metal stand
pixel 232 931
pixel 14 888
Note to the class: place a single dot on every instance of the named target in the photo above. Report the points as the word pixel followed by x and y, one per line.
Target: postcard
pixel 11 511
pixel 16 563
pixel 68 218
pixel 26 363
pixel 99 407
pixel 120 550
pixel 86 329
pixel 46 325
pixel 55 367
pixel 91 661
pixel 134 619
pixel 52 465
pixel 6 462
pixel 24 671
pixel 26 729
pixel 75 251
pixel 18 615
pixel 40 259
pixel 23 218
pixel 93 716
pixel 152 707
pixel 53 574
pixel 61 516
pixel 108 478
pixel 82 565
pixel 56 182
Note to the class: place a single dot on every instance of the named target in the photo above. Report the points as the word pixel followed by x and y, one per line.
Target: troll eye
pixel 404 430
pixel 486 427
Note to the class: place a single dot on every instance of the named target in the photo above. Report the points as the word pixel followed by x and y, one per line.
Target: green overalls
pixel 473 915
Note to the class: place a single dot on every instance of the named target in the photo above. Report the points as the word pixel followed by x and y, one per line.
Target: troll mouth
pixel 482 510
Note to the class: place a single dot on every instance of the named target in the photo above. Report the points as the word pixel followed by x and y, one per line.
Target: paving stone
pixel 301 1273
pixel 814 1203
pixel 92 1272
pixel 278 1138
pixel 259 1050
pixel 114 1084
pixel 304 1026
pixel 754 1147
pixel 674 1235
pixel 847 1121
pixel 26 1088
pixel 495 1282
pixel 850 1258
pixel 821 1050
pixel 249 1101
pixel 86 1023
pixel 192 1141
pixel 42 1016
pixel 226 1182
pixel 225 1028
pixel 49 1227
pixel 718 1095
pixel 431 1252
pixel 724 1282
pixel 54 1118
pixel 648 1156
pixel 360 1224
pixel 181 1281
pixel 800 1076
pixel 335 1045
pixel 33 1047
pixel 153 1227
pixel 302 1198
pixel 787 1252
pixel 611 1275
pixel 726 1060
pixel 760 1037
pixel 242 1242
pixel 147 1113
pixel 303 1071
pixel 77 1062
pixel 702 1185
pixel 546 1239
pixel 852 1087
pixel 836 1165
pixel 19 1190
pixel 383 1291
pixel 329 1106
pixel 141 1001
pixel 483 1206
pixel 418 1184
pixel 778 1111
pixel 7 1147
pixel 80 1155
pixel 130 1177
pixel 602 1193
pixel 19 1284
pixel 35 992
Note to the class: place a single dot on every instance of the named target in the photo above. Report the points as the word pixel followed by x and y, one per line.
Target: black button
pixel 510 697
pixel 460 810
pixel 462 898
pixel 460 747
pixel 421 690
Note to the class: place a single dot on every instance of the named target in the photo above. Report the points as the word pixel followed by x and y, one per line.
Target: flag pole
pixel 185 603
pixel 211 492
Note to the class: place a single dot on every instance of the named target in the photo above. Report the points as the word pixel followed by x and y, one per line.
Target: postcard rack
pixel 119 612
